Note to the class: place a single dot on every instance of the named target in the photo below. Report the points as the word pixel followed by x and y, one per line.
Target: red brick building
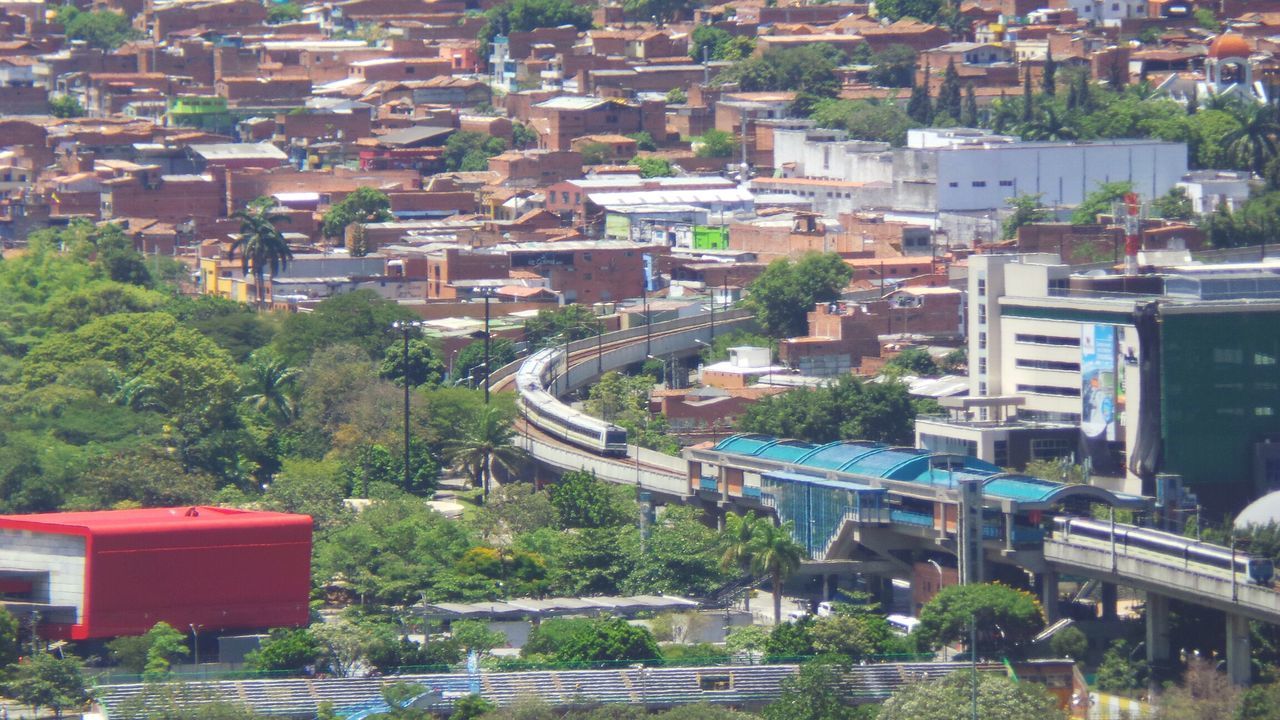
pixel 559 120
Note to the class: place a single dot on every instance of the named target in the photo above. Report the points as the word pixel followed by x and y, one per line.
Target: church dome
pixel 1229 45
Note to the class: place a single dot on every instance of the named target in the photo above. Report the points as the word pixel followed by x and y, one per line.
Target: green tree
pixel 873 120
pixel 44 680
pixel 1049 85
pixel 100 29
pixel 809 70
pixel 1027 210
pixel 145 477
pixel 681 556
pixel 261 244
pixel 663 10
pixel 784 294
pixel 1048 125
pixel 270 387
pixel 526 15
pixel 1069 642
pixel 706 41
pixel 816 693
pixel 854 636
pixel 1099 201
pixel 1254 144
pixel 187 371
pixel 595 153
pixel 749 640
pixel 740 538
pixel 484 442
pixel 969 116
pixel 847 408
pixel 1173 205
pixel 893 67
pixel 475 636
pixel 550 327
pixel 308 487
pixel 950 103
pixel 1007 618
pixel 424 367
pixel 1116 672
pixel 283 12
pixel 920 105
pixel 65 106
pixel 777 556
pixel 362 205
pixel 471 707
pixel 651 167
pixel 999 698
pixel 286 651
pixel 583 501
pixel 715 144
pixel 470 360
pixel 359 318
pixel 923 10
pixel 164 646
pixel 1206 19
pixel 915 360
pixel 523 137
pixel 598 640
pixel 470 151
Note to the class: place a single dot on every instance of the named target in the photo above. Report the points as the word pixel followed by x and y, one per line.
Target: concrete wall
pixel 62 556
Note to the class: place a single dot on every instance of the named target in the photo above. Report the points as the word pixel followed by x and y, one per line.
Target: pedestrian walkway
pixel 1115 707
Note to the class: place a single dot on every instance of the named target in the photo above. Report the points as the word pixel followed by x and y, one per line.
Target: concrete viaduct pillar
pixel 1049 596
pixel 1239 667
pixel 1157 630
pixel 1109 596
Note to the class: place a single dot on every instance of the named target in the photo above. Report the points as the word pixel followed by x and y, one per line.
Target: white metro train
pixel 557 419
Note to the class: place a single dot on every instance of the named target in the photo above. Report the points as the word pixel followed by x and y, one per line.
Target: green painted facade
pixel 617 226
pixel 200 111
pixel 707 237
pixel 1220 396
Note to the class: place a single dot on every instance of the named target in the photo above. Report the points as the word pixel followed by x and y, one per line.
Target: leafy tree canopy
pixel 845 409
pixel 549 327
pixel 895 67
pixel 1007 618
pixel 467 151
pixel 583 501
pixel 1099 201
pixel 44 680
pixel 101 29
pixel 999 698
pixel 654 167
pixel 923 10
pixel 784 294
pixel 870 120
pixel 359 318
pixel 364 204
pixel 808 70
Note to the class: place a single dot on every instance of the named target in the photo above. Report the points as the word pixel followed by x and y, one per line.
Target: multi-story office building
pixel 1170 373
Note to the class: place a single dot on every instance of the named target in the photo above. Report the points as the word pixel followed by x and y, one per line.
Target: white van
pixel 902 624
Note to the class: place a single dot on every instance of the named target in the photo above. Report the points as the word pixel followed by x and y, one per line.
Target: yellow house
pixel 225 278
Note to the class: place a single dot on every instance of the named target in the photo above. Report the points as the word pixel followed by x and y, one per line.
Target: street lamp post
pixel 404 326
pixel 195 644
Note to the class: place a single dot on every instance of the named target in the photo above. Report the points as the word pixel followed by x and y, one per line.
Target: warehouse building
pixel 93 575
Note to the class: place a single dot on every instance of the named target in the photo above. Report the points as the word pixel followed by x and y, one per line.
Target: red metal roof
pixel 148 520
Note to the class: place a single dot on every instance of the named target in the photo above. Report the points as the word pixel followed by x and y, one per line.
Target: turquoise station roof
pixel 877 460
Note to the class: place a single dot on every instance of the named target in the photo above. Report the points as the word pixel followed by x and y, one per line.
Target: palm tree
pixel 135 393
pixel 1254 143
pixel 261 243
pixel 740 535
pixel 1048 126
pixel 777 555
pixel 270 387
pixel 485 442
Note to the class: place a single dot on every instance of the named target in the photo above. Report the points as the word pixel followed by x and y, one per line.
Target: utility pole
pixel 487 295
pixel 973 665
pixel 404 326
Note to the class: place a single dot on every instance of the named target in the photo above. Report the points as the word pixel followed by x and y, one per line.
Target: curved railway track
pixel 587 352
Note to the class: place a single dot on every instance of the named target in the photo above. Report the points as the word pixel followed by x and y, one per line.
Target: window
pixel 1027 339
pixel 586 276
pixel 982 287
pixel 1047 365
pixel 1263 411
pixel 982 313
pixel 982 341
pixel 1263 359
pixel 982 390
pixel 1000 452
pixel 1050 390
pixel 953 184
pixel 982 366
pixel 410 70
pixel 1006 183
pixel 1049 449
pixel 586 257
pixel 979 183
pixel 714 682
pixel 564 197
pixel 577 198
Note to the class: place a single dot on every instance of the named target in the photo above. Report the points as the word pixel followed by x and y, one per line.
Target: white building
pixel 968 171
pixel 1109 12
pixel 1207 189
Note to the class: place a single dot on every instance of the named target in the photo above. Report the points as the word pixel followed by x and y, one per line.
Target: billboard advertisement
pixel 1098 382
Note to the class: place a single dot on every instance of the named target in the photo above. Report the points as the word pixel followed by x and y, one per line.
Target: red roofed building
pixel 104 574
